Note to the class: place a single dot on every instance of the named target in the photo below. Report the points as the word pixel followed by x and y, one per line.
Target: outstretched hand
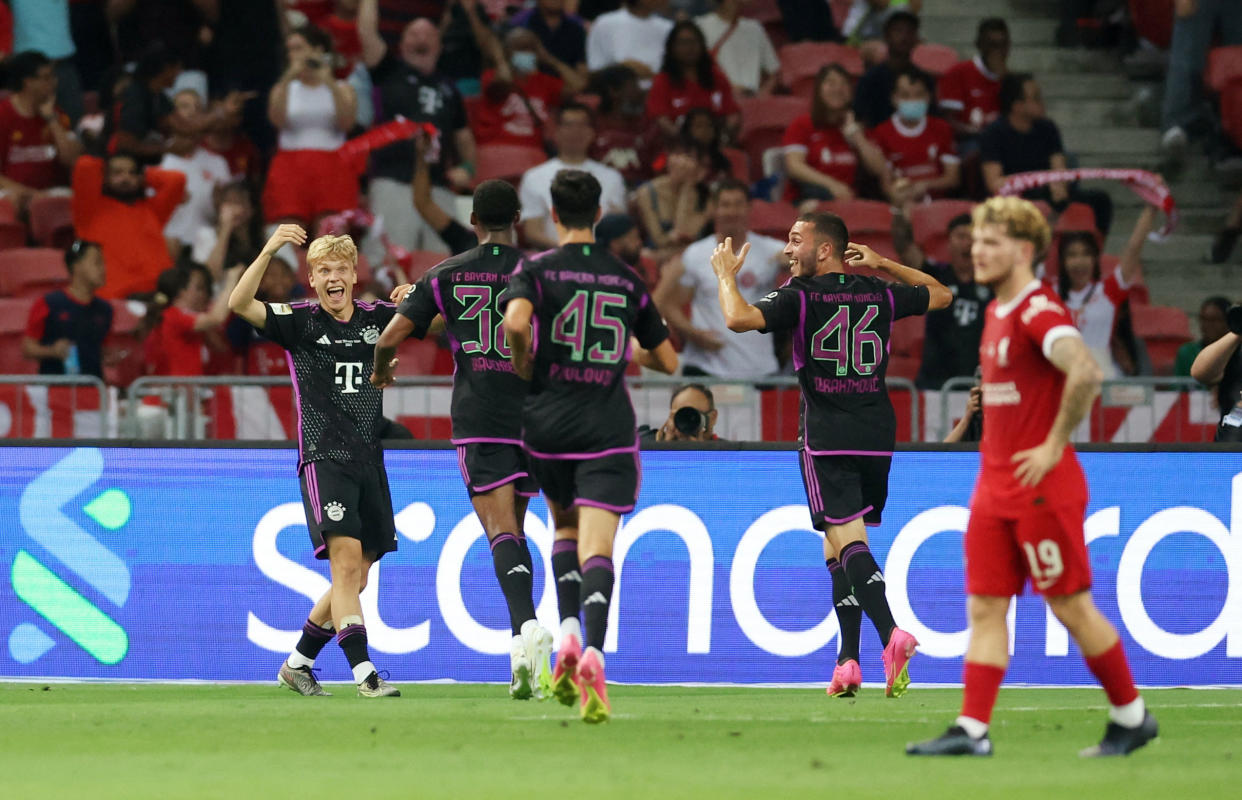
pixel 288 233
pixel 859 255
pixel 725 262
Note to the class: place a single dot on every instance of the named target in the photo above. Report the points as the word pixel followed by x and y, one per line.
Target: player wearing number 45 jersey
pixel 841 326
pixel 340 463
pixel 578 423
pixel 487 409
pixel 1026 517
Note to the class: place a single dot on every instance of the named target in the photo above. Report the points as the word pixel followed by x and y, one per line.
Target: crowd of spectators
pixel 192 124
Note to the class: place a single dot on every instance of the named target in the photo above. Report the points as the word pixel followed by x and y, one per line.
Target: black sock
pixel 353 640
pixel 511 561
pixel 568 578
pixel 868 583
pixel 526 559
pixel 597 581
pixel 849 613
pixel 313 639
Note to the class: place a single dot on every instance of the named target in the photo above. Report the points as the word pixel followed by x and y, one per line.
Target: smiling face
pixel 333 280
pixel 803 250
pixel 835 91
pixel 1079 264
pixel 420 45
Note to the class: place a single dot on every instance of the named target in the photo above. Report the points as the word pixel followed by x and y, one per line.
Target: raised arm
pixel 1132 256
pixel 1082 385
pixel 426 207
pixel 661 358
pixel 862 256
pixel 218 313
pixel 517 327
pixel 373 45
pixel 739 315
pixel 1209 366
pixel 242 300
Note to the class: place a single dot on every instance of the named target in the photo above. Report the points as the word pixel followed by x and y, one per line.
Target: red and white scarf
pixel 1147 185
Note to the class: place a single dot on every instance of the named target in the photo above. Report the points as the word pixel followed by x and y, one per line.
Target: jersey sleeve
pixel 952 94
pixel 781 309
pixel 1115 287
pixel 909 300
pixel 946 145
pixel 1044 321
pixel 179 323
pixel 798 135
pixel 649 327
pixel 284 324
pixel 419 306
pixel 36 321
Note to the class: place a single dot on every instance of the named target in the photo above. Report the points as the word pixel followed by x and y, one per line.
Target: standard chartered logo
pixel 45 516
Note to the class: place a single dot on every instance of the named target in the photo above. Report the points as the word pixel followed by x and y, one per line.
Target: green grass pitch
pixel 471 741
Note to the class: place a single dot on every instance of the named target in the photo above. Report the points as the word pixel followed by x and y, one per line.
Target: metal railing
pixel 54 407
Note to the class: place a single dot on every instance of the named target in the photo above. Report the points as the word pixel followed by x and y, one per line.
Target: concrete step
pixel 1091 112
pixel 958 30
pixel 1048 59
pixel 1087 141
pixel 1084 86
pixel 1012 10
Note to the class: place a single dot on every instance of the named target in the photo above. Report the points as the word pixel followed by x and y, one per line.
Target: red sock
pixel 1112 670
pixel 983 683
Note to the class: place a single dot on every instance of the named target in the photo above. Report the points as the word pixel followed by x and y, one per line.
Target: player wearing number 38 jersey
pixel 841 326
pixel 570 314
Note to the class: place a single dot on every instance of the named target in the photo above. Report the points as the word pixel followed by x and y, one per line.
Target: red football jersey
pixel 174 347
pixel 826 150
pixel 1022 389
pixel 918 153
pixel 510 121
pixel 670 99
pixel 969 91
pixel 27 150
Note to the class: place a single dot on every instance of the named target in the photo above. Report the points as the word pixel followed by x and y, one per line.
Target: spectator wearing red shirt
pixel 970 90
pixel 111 206
pixel 342 26
pixel 181 317
pixel 688 78
pixel 919 148
pixel 6 30
pixel 822 148
pixel 227 139
pixel 517 98
pixel 66 329
pixel 37 145
pixel 621 134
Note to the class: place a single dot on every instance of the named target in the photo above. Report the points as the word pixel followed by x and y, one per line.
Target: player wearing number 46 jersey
pixel 841 326
pixel 487 409
pixel 1026 517
pixel 578 423
pixel 340 463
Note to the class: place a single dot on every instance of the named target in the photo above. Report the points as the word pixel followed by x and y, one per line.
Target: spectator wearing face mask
pixel 517 98
pixel 922 160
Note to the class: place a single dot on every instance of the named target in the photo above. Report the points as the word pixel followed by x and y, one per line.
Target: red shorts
pixel 304 184
pixel 1008 542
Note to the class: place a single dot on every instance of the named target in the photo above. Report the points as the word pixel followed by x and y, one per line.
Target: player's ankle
pixel 975 729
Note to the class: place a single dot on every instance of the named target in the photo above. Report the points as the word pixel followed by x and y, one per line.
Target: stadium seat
pixel 764 120
pixel 906 348
pixel 13 314
pixel 772 219
pixel 506 161
pixel 739 163
pixel 1163 330
pixel 1231 112
pixel 935 59
pixel 801 61
pixel 1153 21
pixel 930 221
pixel 1077 217
pixel 51 220
pixel 8 211
pixel 870 222
pixel 31 271
pixel 12 235
pixel 417 356
pixel 1224 66
pixel 420 261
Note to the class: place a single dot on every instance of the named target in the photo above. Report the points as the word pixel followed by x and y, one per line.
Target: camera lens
pixel 1234 318
pixel 689 421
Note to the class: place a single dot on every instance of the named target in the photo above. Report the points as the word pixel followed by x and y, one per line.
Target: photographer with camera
pixel 1219 367
pixel 691 416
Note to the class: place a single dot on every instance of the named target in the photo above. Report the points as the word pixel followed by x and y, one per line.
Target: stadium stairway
pixel 1091 99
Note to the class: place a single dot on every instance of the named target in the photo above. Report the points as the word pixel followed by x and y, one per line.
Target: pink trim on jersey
pixel 501 482
pixel 849 452
pixel 850 518
pixel 486 440
pixel 605 506
pixel 633 448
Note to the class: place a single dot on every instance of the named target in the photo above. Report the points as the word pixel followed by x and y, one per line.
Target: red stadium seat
pixel 772 219
pixel 1077 217
pixel 801 61
pixel 739 163
pixel 870 222
pixel 1231 111
pixel 31 271
pixel 1153 20
pixel 1163 330
pixel 934 58
pixel 417 356
pixel 506 161
pixel 51 220
pixel 420 262
pixel 1224 66
pixel 930 222
pixel 906 348
pixel 764 120
pixel 13 315
pixel 12 235
pixel 8 211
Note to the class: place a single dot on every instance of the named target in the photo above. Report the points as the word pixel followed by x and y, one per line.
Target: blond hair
pixel 1020 218
pixel 331 248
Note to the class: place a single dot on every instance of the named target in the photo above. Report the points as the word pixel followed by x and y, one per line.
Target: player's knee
pixel 1072 609
pixel 986 610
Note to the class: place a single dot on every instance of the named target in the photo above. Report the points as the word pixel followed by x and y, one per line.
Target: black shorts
pixel 347 498
pixel 609 482
pixel 843 488
pixel 488 465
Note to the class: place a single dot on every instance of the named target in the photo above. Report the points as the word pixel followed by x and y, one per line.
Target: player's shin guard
pixel 869 587
pixel 568 577
pixel 1112 670
pixel 353 641
pixel 849 612
pixel 512 562
pixel 597 578
pixel 310 645
pixel 982 684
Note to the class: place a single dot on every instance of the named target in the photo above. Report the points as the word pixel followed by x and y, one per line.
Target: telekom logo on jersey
pixel 417 522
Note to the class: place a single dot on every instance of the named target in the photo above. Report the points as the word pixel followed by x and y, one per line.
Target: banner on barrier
pixel 195 564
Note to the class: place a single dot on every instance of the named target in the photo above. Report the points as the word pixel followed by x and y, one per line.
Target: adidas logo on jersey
pixel 878 577
pixel 573 576
pixel 596 597
pixel 520 568
pixel 323 340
